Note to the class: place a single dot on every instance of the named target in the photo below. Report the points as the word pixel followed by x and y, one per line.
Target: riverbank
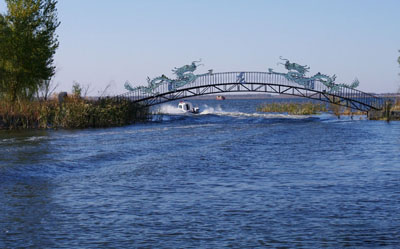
pixel 71 113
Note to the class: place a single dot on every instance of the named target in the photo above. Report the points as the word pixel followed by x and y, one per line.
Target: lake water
pixel 229 177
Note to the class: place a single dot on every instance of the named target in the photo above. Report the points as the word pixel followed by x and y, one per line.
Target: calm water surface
pixel 228 177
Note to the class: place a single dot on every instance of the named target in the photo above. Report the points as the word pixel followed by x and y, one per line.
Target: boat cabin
pixel 187 107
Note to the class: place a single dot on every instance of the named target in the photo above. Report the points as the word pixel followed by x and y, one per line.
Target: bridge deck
pixel 213 83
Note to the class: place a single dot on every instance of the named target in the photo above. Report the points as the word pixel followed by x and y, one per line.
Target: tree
pixel 28 43
pixel 398 59
pixel 80 90
pixel 76 89
pixel 5 69
pixel 47 89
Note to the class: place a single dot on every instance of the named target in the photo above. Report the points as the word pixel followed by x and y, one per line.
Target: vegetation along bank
pixel 72 112
pixel 28 43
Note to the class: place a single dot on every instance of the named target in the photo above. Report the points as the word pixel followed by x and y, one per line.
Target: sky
pixel 106 43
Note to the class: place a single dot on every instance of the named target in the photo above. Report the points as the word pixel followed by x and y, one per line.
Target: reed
pixel 308 108
pixel 396 106
pixel 335 107
pixel 74 112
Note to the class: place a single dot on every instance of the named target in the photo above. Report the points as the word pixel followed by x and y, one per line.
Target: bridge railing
pixel 243 78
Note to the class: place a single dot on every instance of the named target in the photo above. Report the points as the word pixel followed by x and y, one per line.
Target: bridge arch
pixel 261 82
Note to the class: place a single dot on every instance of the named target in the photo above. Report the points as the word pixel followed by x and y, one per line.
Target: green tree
pixel 28 43
pixel 77 89
pixel 398 59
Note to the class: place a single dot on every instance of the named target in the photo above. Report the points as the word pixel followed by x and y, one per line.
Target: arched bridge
pixel 263 82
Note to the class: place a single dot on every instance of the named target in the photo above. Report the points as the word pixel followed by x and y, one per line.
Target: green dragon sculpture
pixel 294 66
pixel 184 76
pixel 296 73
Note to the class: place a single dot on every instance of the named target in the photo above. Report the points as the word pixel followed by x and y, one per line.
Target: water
pixel 228 177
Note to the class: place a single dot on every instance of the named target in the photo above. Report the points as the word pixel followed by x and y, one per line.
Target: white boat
pixel 187 107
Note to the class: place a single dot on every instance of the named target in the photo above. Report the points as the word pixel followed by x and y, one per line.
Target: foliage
pixel 77 89
pixel 27 46
pixel 72 113
pixel 308 108
pixel 396 106
pixel 46 89
pixel 398 59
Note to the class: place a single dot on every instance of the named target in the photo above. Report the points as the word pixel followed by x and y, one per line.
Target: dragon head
pixel 186 68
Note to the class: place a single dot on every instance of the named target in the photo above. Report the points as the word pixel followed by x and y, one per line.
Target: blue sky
pixel 108 42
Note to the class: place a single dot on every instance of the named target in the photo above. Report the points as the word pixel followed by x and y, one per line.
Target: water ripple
pixel 226 179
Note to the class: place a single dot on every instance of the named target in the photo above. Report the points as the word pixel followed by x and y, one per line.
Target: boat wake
pixel 206 110
pixel 168 109
pixel 218 111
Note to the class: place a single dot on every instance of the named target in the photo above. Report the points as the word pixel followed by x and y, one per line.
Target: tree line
pixel 28 42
